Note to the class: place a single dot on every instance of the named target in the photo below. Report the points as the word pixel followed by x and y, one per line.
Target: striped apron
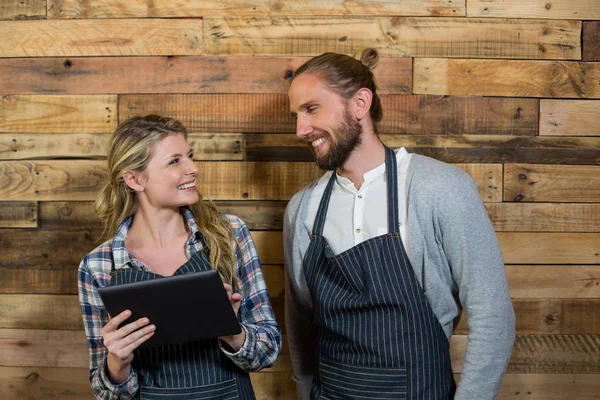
pixel 186 371
pixel 377 336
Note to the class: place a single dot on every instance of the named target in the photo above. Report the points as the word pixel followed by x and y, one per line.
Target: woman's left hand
pixel 234 341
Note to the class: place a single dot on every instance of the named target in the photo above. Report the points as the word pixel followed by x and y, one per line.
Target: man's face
pixel 324 121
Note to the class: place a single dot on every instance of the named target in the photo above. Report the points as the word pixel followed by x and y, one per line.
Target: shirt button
pixel 360 196
pixel 358 231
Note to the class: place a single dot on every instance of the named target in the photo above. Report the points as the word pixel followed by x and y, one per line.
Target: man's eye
pixel 311 110
pixel 191 156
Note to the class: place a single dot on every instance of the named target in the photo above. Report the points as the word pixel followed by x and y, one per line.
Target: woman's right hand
pixel 121 342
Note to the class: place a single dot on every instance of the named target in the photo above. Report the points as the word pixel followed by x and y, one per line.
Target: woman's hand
pixel 234 341
pixel 121 343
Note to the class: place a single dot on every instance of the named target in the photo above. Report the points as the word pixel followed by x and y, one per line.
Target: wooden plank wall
pixel 508 90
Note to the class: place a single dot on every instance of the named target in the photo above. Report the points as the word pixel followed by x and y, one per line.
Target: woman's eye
pixel 174 161
pixel 191 156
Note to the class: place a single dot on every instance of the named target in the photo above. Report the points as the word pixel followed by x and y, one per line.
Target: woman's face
pixel 169 181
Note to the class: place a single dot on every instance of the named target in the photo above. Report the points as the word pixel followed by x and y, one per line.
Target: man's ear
pixel 134 181
pixel 362 103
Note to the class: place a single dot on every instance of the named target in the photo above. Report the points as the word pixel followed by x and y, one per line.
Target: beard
pixel 349 138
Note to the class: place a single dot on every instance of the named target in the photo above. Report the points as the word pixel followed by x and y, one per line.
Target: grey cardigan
pixel 456 258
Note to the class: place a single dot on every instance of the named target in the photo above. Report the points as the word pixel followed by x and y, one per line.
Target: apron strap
pixel 392 196
pixel 391 172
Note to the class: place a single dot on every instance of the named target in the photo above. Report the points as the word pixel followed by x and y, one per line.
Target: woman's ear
pixel 134 181
pixel 362 103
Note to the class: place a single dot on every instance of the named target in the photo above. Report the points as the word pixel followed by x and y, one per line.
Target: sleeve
pixel 94 318
pixel 263 336
pixel 475 258
pixel 299 326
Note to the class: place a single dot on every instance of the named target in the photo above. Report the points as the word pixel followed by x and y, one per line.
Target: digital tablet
pixel 184 308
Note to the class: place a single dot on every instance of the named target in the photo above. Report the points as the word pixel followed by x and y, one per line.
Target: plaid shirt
pixel 263 336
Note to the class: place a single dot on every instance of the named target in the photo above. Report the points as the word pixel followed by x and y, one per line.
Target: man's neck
pixel 368 155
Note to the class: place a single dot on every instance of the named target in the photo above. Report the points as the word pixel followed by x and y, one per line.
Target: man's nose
pixel 303 127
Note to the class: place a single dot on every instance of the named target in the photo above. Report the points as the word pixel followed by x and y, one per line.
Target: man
pixel 382 254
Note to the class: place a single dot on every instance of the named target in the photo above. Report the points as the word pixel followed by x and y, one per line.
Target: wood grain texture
pixel 551 183
pixel 112 37
pixel 76 180
pixel 97 75
pixel 544 217
pixel 553 79
pixel 22 9
pixel 550 248
pixel 53 312
pixel 570 117
pixel 203 8
pixel 59 114
pixel 19 383
pixel 19 214
pixel 394 37
pixel 554 282
pixel 549 386
pixel 553 9
pixel 549 354
pixel 590 41
pixel 447 148
pixel 38 280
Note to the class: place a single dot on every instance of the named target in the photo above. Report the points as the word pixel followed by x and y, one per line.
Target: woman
pixel 157 221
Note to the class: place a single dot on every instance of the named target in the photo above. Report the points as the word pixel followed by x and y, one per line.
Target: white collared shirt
pixel 355 215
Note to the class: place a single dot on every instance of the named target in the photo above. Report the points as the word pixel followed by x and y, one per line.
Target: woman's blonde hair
pixel 130 149
pixel 346 75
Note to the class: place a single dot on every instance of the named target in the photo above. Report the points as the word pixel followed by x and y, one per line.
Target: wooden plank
pixel 24 9
pixel 590 41
pixel 447 148
pixel 110 37
pixel 555 9
pixel 554 281
pixel 550 248
pixel 554 79
pixel 549 354
pixel 60 114
pixel 258 215
pixel 259 112
pixel 403 114
pixel 544 217
pixel 19 214
pixel 18 383
pixel 81 179
pixel 394 37
pixel 38 311
pixel 552 316
pixel 549 386
pixel 97 75
pixel 558 183
pixel 210 146
pixel 39 280
pixel 273 385
pixel 570 117
pixel 202 8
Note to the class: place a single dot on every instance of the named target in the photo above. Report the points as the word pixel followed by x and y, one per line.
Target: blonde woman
pixel 156 221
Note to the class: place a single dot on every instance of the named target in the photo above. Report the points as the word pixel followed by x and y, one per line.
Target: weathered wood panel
pixel 60 114
pixel 544 217
pixel 549 386
pixel 402 114
pixel 570 117
pixel 555 9
pixel 19 214
pixel 209 146
pixel 112 37
pixel 554 281
pixel 22 9
pixel 22 383
pixel 534 316
pixel 394 37
pixel 554 79
pixel 96 75
pixel 590 41
pixel 550 248
pixel 81 179
pixel 550 354
pixel 559 183
pixel 75 244
pixel 448 148
pixel 39 280
pixel 203 8
pixel 273 385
